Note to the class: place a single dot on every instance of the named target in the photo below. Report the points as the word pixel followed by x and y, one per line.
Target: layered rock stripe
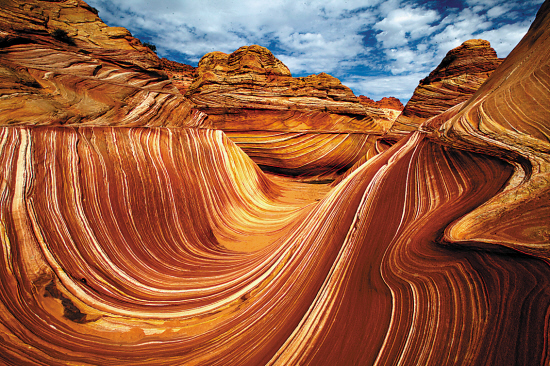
pixel 254 93
pixel 459 75
pixel 137 239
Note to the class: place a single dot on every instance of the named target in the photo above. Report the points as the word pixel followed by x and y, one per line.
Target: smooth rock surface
pixel 122 243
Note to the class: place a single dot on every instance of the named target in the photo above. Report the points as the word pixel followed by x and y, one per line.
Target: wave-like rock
pixel 170 246
pixel 115 244
pixel 311 156
pixel 70 24
pixel 510 117
pixel 463 70
pixel 95 79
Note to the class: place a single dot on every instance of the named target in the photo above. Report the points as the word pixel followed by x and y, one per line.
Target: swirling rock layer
pixel 168 245
pixel 510 117
pixel 95 79
pixel 113 251
pixel 312 156
pixel 463 70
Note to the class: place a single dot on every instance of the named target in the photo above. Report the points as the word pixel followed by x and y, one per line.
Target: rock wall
pixel 122 243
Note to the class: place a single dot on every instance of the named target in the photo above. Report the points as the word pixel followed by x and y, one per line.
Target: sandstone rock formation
pixel 169 246
pixel 250 89
pixel 296 126
pixel 181 75
pixel 509 117
pixel 463 70
pixel 95 80
pixel 390 106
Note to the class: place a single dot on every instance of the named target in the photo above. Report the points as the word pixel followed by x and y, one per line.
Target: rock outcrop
pixel 169 246
pixel 83 74
pixel 181 75
pixel 313 127
pixel 509 117
pixel 463 70
pixel 390 106
pixel 250 89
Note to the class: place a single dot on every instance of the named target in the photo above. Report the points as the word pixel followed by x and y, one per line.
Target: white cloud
pixel 497 11
pixel 403 25
pixel 505 38
pixel 377 87
pixel 312 36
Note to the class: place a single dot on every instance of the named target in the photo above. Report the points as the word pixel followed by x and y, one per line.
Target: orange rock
pixel 180 74
pixel 509 117
pixel 463 70
pixel 250 89
pixel 61 65
pixel 227 87
pixel 386 102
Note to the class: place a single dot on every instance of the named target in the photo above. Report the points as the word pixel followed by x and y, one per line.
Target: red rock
pixel 144 245
pixel 251 89
pixel 386 102
pixel 180 74
pixel 103 76
pixel 227 87
pixel 463 70
pixel 509 117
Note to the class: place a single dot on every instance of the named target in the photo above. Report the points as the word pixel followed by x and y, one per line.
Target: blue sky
pixel 377 48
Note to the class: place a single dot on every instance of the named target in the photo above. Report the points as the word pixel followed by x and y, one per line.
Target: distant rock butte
pixel 463 70
pixel 313 127
pixel 386 102
pixel 391 107
pixel 252 89
pixel 182 75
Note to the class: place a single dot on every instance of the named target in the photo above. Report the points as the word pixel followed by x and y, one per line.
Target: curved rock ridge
pixel 251 80
pixel 390 107
pixel 137 246
pixel 91 75
pixel 124 245
pixel 509 116
pixel 45 85
pixel 310 156
pixel 463 70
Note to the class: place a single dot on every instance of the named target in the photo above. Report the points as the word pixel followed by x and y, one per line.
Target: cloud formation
pixel 378 48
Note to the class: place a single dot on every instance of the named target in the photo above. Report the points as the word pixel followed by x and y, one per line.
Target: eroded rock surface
pixel 296 126
pixel 170 246
pixel 459 75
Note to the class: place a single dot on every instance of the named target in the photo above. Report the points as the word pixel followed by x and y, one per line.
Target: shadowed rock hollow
pixel 135 231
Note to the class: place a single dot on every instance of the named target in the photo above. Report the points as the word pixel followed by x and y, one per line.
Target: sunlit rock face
pixel 170 246
pixel 87 77
pixel 510 117
pixel 463 70
pixel 313 127
pixel 227 87
pixel 390 106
